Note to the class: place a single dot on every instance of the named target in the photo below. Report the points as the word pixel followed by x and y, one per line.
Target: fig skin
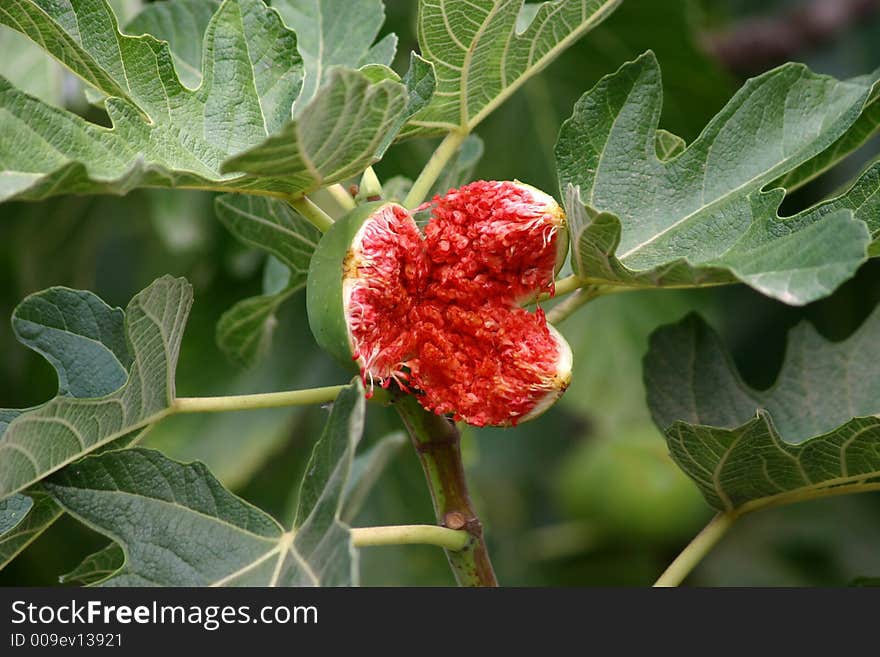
pixel 324 293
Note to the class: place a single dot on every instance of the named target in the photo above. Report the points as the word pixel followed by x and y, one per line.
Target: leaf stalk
pixel 445 151
pixel 581 297
pixel 342 197
pixel 263 400
pixel 698 548
pixel 312 213
pixel 449 539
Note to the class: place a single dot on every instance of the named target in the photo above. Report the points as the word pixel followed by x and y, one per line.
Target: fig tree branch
pixel 437 443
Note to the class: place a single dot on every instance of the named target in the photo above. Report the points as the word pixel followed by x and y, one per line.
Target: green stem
pixel 251 402
pixel 449 539
pixel 562 310
pixel 423 184
pixel 311 212
pixel 436 440
pixel 698 548
pixel 370 187
pixel 567 285
pixel 341 196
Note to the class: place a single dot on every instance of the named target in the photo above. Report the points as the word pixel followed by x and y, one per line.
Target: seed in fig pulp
pixel 440 313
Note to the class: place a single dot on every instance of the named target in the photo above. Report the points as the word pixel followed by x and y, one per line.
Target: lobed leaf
pixel 244 331
pixel 365 471
pixel 28 67
pixel 233 132
pixel 702 216
pixel 12 511
pixel 33 514
pixel 336 33
pixel 39 441
pixel 813 433
pixel 338 134
pixel 272 226
pixel 141 499
pixel 96 567
pixel 81 336
pixel 460 170
pixel 182 23
pixel 484 50
pixel 858 134
pixel 84 340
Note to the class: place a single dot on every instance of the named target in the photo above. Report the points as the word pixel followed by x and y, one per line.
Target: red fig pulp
pixel 440 315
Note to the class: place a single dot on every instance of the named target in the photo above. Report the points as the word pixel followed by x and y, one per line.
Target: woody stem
pixel 437 442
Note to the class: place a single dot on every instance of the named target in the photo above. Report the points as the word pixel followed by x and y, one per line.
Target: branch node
pixel 455 520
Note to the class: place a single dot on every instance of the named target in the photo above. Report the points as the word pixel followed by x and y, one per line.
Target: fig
pixel 439 314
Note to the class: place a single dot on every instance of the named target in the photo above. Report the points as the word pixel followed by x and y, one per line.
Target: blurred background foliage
pixel 585 495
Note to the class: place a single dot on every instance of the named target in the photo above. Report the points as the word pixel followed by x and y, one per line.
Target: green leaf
pixel 813 433
pixel 234 132
pixel 182 23
pixel 40 512
pixel 382 52
pixel 365 472
pixel 276 275
pixel 336 33
pixel 855 137
pixel 42 440
pixel 244 332
pixel 84 340
pixel 81 336
pixel 396 188
pixel 12 511
pixel 96 567
pixel 420 83
pixel 668 145
pixel 481 57
pixel 141 500
pixel 702 217
pixel 125 10
pixel 337 135
pixel 461 169
pixel 272 226
pixel 27 66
